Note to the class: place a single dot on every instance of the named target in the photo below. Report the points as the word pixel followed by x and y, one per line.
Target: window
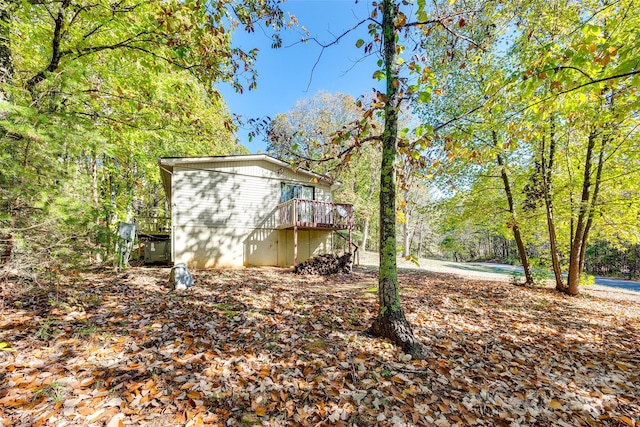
pixel 296 191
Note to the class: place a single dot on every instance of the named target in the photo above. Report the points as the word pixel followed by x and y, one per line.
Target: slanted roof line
pixel 175 161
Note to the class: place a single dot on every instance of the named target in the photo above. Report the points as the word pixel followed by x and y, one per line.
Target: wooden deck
pixel 312 214
pixel 153 226
pixel 300 214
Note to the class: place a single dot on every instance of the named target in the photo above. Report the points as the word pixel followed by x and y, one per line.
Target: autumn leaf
pixel 554 404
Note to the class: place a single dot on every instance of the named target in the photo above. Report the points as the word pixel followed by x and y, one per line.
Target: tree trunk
pixel 56 52
pixel 6 60
pixel 548 203
pixel 367 220
pixel 391 322
pixel 594 200
pixel 406 234
pixel 365 233
pixel 578 240
pixel 6 75
pixel 514 226
pixel 420 238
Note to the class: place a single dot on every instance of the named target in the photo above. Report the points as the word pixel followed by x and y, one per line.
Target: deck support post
pixel 295 233
pixel 295 246
pixel 350 239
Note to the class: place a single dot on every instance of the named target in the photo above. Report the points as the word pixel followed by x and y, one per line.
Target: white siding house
pixel 228 212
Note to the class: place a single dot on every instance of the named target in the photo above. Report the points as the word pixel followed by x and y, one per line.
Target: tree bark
pixel 594 200
pixel 391 322
pixel 578 243
pixel 512 210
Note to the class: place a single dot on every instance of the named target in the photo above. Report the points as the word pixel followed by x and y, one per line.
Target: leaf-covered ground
pixel 265 347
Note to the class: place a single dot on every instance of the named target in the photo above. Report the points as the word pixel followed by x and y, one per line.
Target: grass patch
pixel 226 309
pixel 372 290
pixel 316 346
pixel 54 392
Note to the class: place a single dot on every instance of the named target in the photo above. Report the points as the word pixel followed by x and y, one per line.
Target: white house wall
pixel 310 243
pixel 224 214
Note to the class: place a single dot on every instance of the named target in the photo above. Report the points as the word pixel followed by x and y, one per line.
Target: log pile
pixel 325 264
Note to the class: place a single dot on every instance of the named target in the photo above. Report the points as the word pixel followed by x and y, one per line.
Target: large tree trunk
pixel 548 203
pixel 578 242
pixel 514 220
pixel 391 322
pixel 594 200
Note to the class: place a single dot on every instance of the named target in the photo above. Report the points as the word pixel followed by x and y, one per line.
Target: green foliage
pixel 540 271
pixel 5 347
pixel 98 92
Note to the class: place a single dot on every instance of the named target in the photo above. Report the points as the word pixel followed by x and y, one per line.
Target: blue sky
pixel 287 75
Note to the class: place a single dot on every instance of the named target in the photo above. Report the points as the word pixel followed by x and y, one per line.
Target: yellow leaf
pixel 623 366
pixel 555 404
pixel 261 411
pixel 193 395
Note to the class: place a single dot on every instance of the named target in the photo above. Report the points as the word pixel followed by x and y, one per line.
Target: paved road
pixel 628 285
pixel 487 271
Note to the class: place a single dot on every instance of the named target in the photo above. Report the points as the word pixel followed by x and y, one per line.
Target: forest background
pixel 516 119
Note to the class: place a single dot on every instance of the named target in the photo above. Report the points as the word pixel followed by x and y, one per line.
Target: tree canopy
pixel 94 93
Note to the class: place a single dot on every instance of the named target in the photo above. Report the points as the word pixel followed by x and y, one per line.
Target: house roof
pixel 168 163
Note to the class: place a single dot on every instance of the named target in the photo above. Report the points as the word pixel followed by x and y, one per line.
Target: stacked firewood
pixel 325 264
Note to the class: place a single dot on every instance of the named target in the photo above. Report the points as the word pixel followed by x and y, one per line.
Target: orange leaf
pixel 265 371
pixel 179 418
pixel 623 366
pixel 555 404
pixel 628 421
pixel 86 411
pixel 261 411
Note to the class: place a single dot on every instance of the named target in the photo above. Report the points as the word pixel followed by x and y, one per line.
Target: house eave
pixel 168 163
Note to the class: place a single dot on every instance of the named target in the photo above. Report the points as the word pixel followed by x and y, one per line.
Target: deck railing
pixel 157 225
pixel 315 214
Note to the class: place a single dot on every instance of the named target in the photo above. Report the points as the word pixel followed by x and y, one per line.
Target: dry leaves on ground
pixel 265 347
